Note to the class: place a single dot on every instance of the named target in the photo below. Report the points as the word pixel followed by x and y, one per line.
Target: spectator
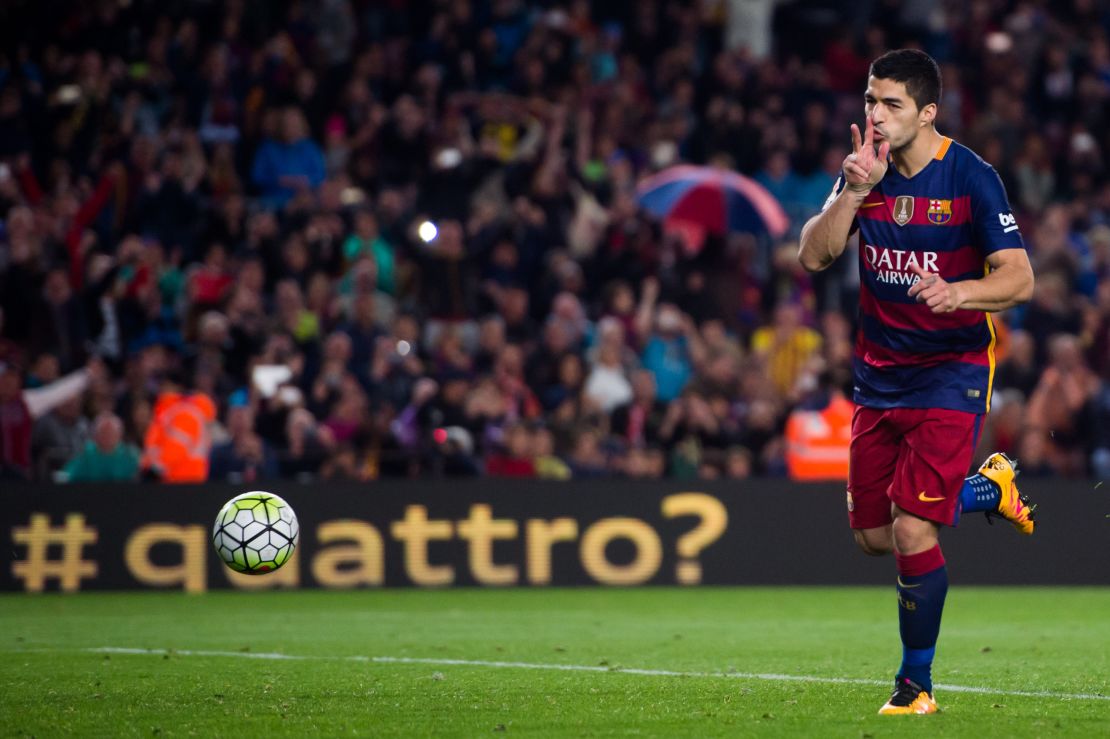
pixel 619 302
pixel 348 413
pixel 209 283
pixel 367 240
pixel 16 424
pixel 105 458
pixel 359 294
pixel 57 326
pixel 817 440
pixel 1053 310
pixel 491 340
pixel 672 351
pixel 785 346
pixel 58 436
pixel 448 280
pixel 607 387
pixel 548 465
pixel 245 457
pixel 19 408
pixel 44 370
pixel 637 422
pixel 1061 405
pixel 289 163
pixel 178 441
pixel 545 366
pixel 509 374
pixel 306 446
pixel 1005 423
pixel 644 463
pixel 1034 454
pixel 567 385
pixel 343 466
pixel 363 329
pixel 515 460
pixel 457 453
pixel 1019 369
pixel 610 333
pixel 587 459
pixel 1035 174
pixel 738 463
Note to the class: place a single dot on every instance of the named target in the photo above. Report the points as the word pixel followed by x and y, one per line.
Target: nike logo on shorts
pixel 926 499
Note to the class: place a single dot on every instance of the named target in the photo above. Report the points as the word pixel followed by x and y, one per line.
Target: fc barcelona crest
pixel 940 211
pixel 903 209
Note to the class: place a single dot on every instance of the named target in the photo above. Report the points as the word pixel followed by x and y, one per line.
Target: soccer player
pixel 939 251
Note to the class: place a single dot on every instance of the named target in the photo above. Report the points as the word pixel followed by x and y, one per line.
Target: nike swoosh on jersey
pixel 871 205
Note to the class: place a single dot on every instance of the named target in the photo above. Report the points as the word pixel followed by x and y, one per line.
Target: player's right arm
pixel 826 234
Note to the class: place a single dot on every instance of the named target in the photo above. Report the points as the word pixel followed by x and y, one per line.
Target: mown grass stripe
pixel 445 662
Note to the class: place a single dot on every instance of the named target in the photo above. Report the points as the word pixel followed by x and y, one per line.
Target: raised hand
pixel 932 290
pixel 863 168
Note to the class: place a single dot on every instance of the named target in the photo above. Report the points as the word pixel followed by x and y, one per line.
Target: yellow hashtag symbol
pixel 37 567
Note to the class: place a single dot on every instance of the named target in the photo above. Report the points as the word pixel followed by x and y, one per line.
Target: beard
pixel 897 145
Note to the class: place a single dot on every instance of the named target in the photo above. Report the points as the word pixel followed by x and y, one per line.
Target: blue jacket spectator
pixel 293 164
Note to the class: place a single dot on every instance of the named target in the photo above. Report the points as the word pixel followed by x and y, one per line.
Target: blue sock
pixel 979 494
pixel 922 585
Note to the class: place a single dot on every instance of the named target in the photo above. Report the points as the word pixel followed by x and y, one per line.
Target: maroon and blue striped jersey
pixel 946 219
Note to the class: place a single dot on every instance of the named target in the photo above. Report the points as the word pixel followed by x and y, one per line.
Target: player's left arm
pixel 1009 283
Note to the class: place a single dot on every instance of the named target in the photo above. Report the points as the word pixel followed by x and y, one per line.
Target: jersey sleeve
pixel 995 226
pixel 838 187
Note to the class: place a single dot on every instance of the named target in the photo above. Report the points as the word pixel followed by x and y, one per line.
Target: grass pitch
pixel 595 662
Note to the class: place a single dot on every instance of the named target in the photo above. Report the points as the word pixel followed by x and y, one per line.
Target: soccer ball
pixel 255 533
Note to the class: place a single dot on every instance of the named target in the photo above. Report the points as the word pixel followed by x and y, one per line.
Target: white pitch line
pixel 444 662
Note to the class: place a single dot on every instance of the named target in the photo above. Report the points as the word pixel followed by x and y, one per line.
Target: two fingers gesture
pixel 863 168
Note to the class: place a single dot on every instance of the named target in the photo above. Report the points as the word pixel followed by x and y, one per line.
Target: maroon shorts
pixel 914 457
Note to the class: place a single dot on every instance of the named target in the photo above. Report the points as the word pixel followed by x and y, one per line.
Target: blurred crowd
pixel 348 239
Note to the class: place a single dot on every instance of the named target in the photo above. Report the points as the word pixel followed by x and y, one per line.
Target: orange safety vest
pixel 177 441
pixel 817 442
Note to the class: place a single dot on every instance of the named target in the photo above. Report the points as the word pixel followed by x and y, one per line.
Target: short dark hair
pixel 916 69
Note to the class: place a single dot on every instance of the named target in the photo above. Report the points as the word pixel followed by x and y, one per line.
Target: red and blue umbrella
pixel 716 200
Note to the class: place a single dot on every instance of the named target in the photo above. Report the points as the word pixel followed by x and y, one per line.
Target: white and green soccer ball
pixel 255 533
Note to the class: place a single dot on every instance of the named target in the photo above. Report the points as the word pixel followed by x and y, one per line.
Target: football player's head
pixel 903 89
